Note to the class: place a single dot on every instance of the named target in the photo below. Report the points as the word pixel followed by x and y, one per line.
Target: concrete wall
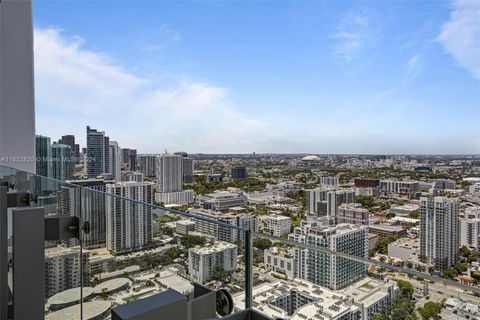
pixel 17 105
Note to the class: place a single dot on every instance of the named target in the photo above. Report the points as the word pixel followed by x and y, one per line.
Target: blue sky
pixel 263 76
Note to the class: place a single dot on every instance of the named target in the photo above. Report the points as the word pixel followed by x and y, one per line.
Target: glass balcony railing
pixel 116 247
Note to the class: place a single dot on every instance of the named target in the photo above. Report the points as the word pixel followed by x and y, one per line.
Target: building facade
pixel 97 153
pixel 470 228
pixel 202 261
pixel 129 224
pixel 439 232
pixel 278 225
pixel 63 162
pixel 352 213
pixel 326 269
pixel 169 173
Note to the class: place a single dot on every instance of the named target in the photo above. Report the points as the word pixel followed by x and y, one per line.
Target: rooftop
pixel 70 296
pixel 91 310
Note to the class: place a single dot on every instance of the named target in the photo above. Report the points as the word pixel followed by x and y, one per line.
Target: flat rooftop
pixel 91 310
pixel 112 285
pixel 70 296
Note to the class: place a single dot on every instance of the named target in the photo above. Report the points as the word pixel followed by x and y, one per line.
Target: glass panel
pixel 133 249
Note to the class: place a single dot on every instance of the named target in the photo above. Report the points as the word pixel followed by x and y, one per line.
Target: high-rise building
pixel 62 269
pixel 315 200
pixel 439 232
pixel 352 213
pixel 470 228
pixel 114 161
pixel 399 188
pixel 129 223
pixel 148 165
pixel 187 167
pixel 97 153
pixel 169 173
pixel 336 198
pixel 239 173
pixel 202 261
pixel 326 269
pixel 222 233
pixel 129 158
pixel 63 162
pixel 88 203
pixel 329 181
pixel 132 159
pixel 69 140
pixel 43 156
pixel 17 100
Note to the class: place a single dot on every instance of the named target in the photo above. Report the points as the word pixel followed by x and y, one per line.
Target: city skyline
pixel 220 78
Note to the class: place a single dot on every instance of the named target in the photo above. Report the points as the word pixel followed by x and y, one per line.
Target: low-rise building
pixel 280 260
pixel 405 210
pixel 387 230
pixel 278 225
pixel 179 197
pixel 183 227
pixel 302 300
pixel 222 200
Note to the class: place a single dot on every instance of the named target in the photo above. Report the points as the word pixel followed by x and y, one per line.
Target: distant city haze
pixel 265 77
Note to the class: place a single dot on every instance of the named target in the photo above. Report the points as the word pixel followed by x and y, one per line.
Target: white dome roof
pixel 310 158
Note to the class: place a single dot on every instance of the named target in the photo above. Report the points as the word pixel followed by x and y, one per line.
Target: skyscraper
pixel 43 156
pixel 439 232
pixel 63 162
pixel 187 167
pixel 97 152
pixel 148 165
pixel 169 173
pixel 69 140
pixel 114 161
pixel 129 223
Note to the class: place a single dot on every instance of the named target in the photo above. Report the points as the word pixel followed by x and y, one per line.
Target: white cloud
pixel 353 33
pixel 76 87
pixel 414 66
pixel 460 36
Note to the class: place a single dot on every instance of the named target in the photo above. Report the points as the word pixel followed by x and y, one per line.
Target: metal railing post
pixel 248 269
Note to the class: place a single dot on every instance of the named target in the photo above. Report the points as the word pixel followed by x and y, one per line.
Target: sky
pixel 380 77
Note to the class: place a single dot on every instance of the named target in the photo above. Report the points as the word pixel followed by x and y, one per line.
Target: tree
pixel 262 243
pixel 451 273
pixel 406 288
pixel 218 273
pixel 430 310
pixel 190 241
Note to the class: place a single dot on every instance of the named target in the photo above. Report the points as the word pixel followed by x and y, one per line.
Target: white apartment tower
pixel 470 228
pixel 439 232
pixel 129 223
pixel 115 160
pixel 278 225
pixel 202 261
